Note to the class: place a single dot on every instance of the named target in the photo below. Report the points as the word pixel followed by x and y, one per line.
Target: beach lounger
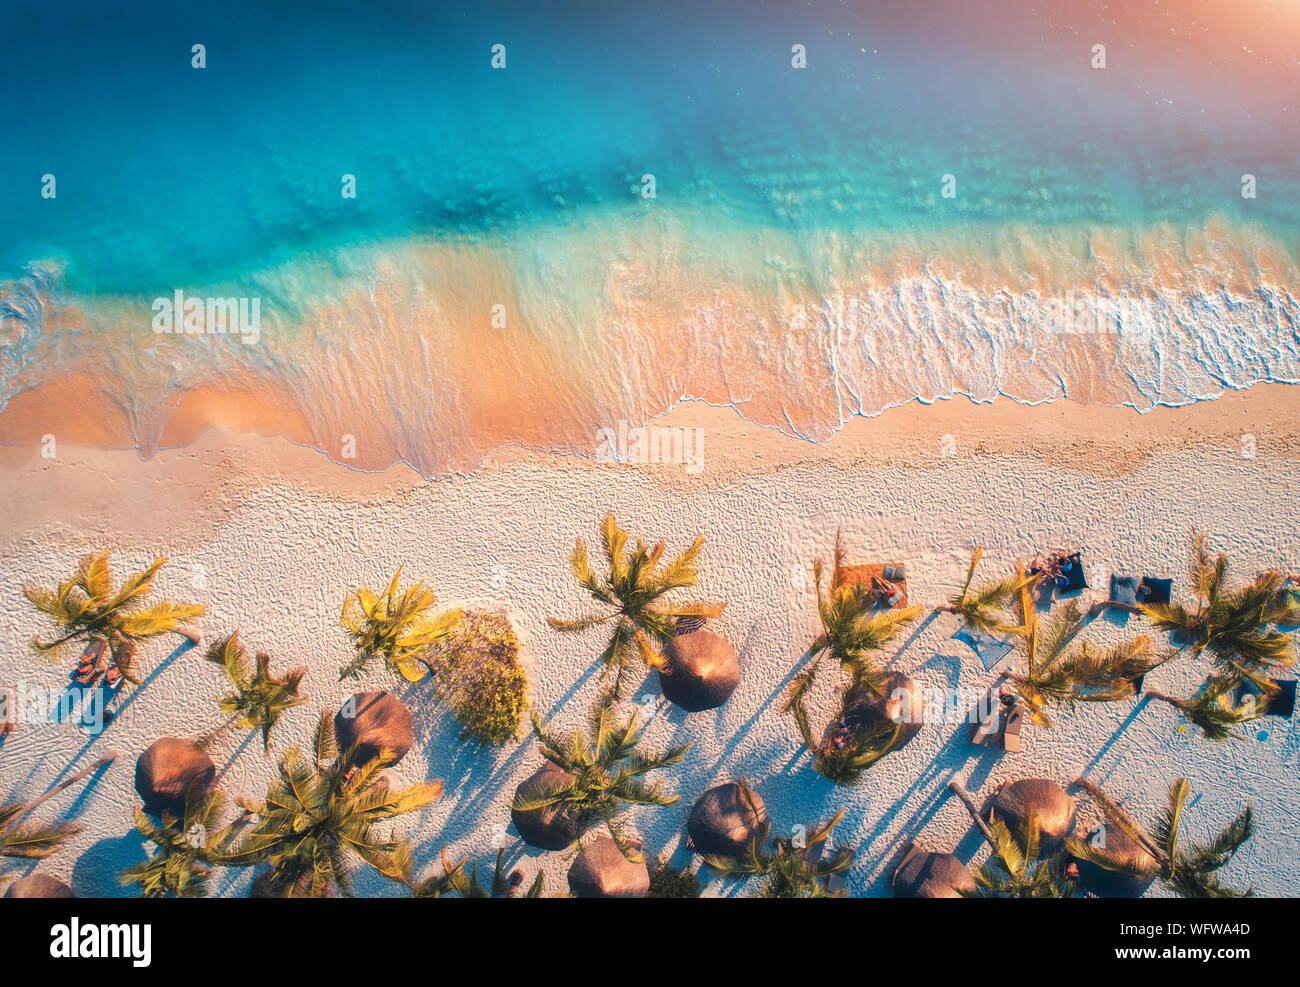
pixel 1013 724
pixel 1072 575
pixel 93 662
pixel 987 728
pixel 1123 590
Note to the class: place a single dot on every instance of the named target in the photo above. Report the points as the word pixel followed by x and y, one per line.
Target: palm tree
pixel 632 594
pixel 858 741
pixel 452 879
pixel 1230 625
pixel 851 631
pixel 1015 869
pixel 1213 710
pixel 1054 675
pixel 597 775
pixel 794 868
pixel 1189 872
pixel 320 812
pixel 38 842
pixel 981 608
pixel 87 606
pixel 395 628
pixel 260 698
pixel 186 847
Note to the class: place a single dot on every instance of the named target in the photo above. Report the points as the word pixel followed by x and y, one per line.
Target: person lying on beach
pixel 888 593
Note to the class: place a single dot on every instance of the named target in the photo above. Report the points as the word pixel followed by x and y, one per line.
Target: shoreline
pixel 227 459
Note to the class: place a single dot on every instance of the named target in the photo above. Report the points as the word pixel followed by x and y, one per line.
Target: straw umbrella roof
pixel 923 874
pixel 726 820
pixel 38 886
pixel 553 827
pixel 165 771
pixel 902 703
pixel 374 721
pixel 702 671
pixel 601 871
pixel 1117 884
pixel 1055 809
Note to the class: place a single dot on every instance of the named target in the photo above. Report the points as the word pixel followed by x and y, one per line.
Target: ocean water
pixel 501 277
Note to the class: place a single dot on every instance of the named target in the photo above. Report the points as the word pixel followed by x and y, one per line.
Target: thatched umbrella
pixel 1118 884
pixel 922 874
pixel 701 673
pixel 374 721
pixel 727 819
pixel 552 827
pixel 38 886
pixel 601 871
pixel 165 771
pixel 1055 809
pixel 902 704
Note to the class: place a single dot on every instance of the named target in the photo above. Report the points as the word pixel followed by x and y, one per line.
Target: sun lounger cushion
pixel 1154 591
pixel 1123 589
pixel 1281 704
pixel 988 648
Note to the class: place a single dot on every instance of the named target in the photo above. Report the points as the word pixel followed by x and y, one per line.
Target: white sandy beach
pixel 273 556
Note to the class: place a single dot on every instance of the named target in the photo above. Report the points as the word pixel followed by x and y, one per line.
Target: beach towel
pixel 989 649
pixel 685 625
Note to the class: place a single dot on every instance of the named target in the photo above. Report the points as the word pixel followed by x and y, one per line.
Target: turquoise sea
pixel 784 198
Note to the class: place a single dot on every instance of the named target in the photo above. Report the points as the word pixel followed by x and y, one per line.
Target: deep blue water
pixel 170 175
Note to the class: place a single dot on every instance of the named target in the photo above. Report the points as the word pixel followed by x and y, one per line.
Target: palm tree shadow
pixel 917 631
pixel 1129 720
pixel 125 704
pixel 234 756
pixel 94 873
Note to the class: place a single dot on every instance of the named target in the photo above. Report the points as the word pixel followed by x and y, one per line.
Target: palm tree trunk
pixel 194 637
pixel 1112 810
pixel 1176 703
pixel 68 782
pixel 966 800
pixel 211 738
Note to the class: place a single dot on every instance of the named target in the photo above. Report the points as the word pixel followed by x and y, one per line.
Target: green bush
pixel 666 881
pixel 476 672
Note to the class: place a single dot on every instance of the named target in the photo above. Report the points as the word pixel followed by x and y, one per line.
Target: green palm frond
pixel 607 771
pixel 319 813
pixel 396 628
pixel 634 592
pixel 86 606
